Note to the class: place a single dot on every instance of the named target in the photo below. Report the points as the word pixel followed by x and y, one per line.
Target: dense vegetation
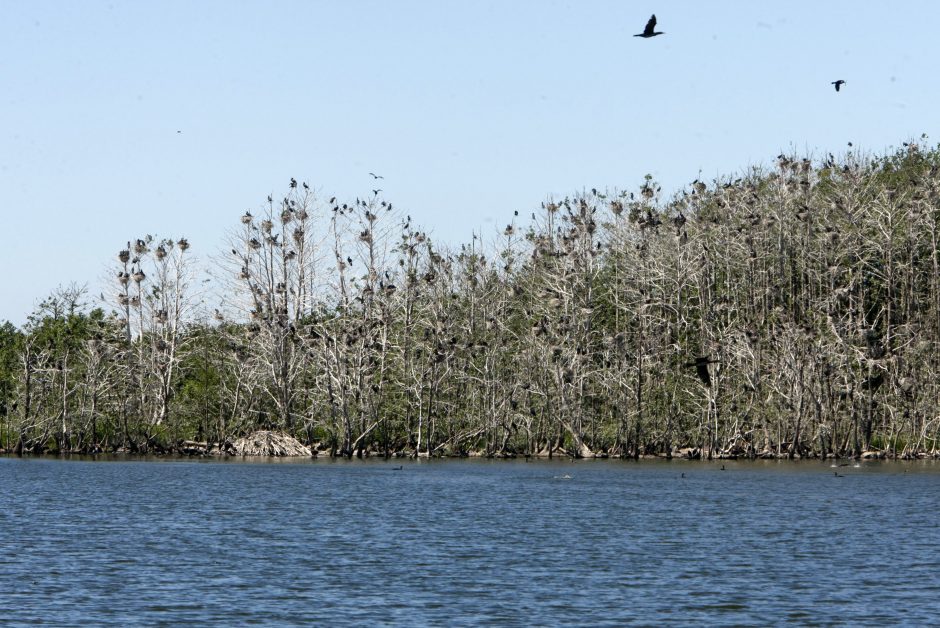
pixel 814 288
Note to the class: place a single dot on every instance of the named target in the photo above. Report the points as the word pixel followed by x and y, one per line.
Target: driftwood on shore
pixel 267 443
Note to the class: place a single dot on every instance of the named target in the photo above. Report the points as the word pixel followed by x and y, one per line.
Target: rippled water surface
pixel 468 542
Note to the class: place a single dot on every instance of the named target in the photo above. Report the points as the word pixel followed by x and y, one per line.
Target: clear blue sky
pixel 469 109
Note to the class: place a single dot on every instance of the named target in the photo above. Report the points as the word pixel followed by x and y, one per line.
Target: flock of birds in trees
pixel 701 363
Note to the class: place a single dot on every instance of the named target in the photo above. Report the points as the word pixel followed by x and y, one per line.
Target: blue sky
pixel 119 118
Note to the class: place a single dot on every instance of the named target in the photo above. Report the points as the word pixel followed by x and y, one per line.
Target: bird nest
pixel 266 443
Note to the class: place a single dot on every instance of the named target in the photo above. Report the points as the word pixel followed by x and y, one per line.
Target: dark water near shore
pixel 468 542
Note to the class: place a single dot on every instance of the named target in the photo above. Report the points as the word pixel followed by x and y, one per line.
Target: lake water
pixel 468 542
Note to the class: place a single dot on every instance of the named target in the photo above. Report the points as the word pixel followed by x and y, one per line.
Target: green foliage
pixel 814 289
pixel 10 343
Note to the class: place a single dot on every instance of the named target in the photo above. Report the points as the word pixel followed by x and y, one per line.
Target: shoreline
pixel 188 453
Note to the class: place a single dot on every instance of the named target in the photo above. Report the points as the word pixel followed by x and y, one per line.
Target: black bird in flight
pixel 838 84
pixel 701 367
pixel 648 31
pixel 376 176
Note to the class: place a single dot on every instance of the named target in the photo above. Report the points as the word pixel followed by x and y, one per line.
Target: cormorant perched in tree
pixel 701 367
pixel 648 31
pixel 838 84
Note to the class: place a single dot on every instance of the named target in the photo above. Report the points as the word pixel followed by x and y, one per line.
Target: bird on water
pixel 838 84
pixel 701 367
pixel 650 31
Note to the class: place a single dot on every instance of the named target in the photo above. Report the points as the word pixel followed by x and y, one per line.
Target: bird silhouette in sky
pixel 649 30
pixel 701 367
pixel 838 84
pixel 376 176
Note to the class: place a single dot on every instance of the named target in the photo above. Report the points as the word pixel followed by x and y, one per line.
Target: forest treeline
pixel 811 287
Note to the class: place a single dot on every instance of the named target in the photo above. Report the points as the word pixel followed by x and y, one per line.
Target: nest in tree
pixel 266 443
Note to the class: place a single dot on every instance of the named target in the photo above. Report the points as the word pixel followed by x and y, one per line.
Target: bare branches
pixel 812 291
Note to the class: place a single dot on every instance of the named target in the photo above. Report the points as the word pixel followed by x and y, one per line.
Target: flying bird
pixel 649 30
pixel 376 176
pixel 838 84
pixel 701 367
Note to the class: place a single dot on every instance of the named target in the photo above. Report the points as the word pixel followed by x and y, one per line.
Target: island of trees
pixel 811 287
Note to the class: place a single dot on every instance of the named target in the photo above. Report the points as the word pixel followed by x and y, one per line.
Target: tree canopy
pixel 789 312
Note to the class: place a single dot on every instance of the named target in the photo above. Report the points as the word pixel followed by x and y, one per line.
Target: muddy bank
pixel 279 445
